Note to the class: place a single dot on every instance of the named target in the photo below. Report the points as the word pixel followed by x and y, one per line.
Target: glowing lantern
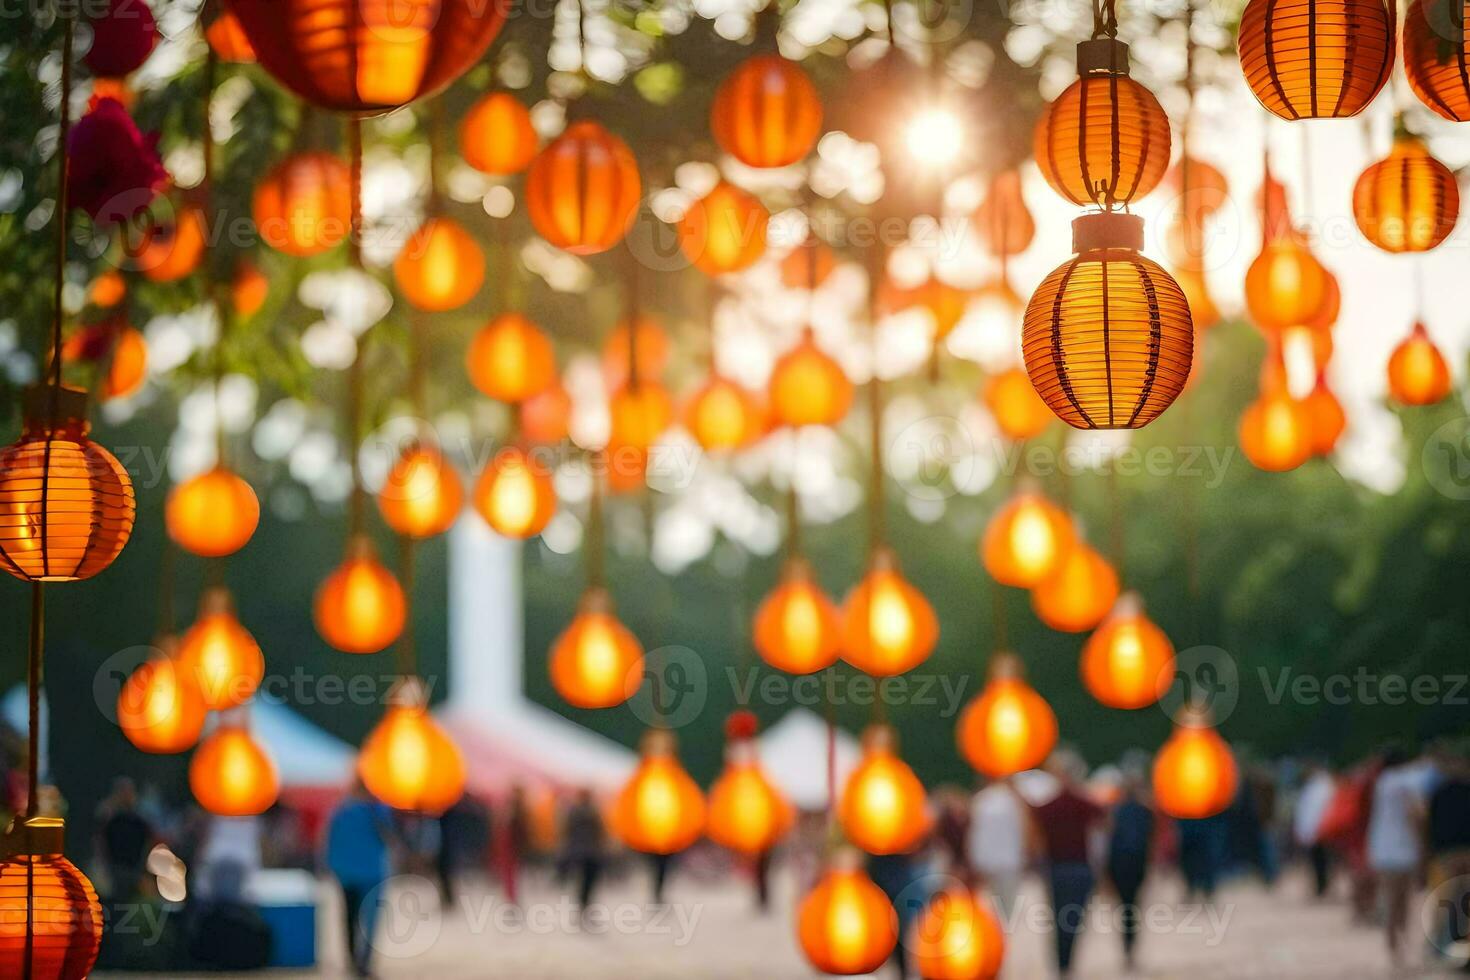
pixel 883 808
pixel 220 655
pixel 1008 728
pixel 807 265
pixel 67 503
pixel 766 113
pixel 746 813
pixel 597 662
pixel 639 414
pixel 1003 220
pixel 1078 593
pixel 1203 312
pixel 957 937
pixel 367 56
pixel 650 348
pixel 440 267
pixel 515 494
pixel 125 351
pixel 360 607
pixel 660 810
pixel 302 206
pixel 797 628
pixel 1285 286
pixel 50 918
pixel 1129 662
pixel 510 359
pixel 722 415
pixel 944 303
pixel 724 231
pixel 1408 201
pixel 1325 415
pixel 159 707
pixel 169 252
pixel 1194 773
pixel 888 627
pixel 228 39
pixel 1108 337
pixel 1026 541
pixel 583 189
pixel 808 388
pixel 249 289
pixel 845 924
pixel 1018 410
pixel 213 514
pixel 107 290
pixel 545 417
pixel 1436 53
pixel 1105 140
pixel 496 136
pixel 1316 59
pixel 408 762
pixel 231 774
pixel 422 496
pixel 1275 430
pixel 1203 189
pixel 1417 372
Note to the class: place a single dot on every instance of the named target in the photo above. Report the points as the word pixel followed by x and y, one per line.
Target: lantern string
pixel 407 655
pixel 1307 195
pixel 63 208
pixel 595 530
pixel 34 668
pixel 793 509
pixel 1117 544
pixel 357 508
pixel 634 315
pixel 998 613
pixel 216 295
pixel 876 258
pixel 436 136
pixel 166 564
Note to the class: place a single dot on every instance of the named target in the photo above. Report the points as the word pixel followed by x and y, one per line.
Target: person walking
pixel 997 843
pixel 1318 790
pixel 1064 826
pixel 124 839
pixel 1448 838
pixel 1395 843
pixel 583 841
pixel 358 853
pixel 1128 857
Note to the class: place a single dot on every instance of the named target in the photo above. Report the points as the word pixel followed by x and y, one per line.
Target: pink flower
pixel 122 38
pixel 113 171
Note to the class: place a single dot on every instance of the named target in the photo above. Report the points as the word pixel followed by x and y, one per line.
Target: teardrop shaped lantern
pixel 639 414
pixel 515 493
pixel 213 514
pixel 660 809
pixel 367 56
pixel 1286 286
pixel 546 418
pixel 66 504
pixel 1026 540
pixel 723 416
pixel 169 251
pixel 1015 406
pixel 1417 372
pixel 1275 431
pixel 440 267
pixel 766 113
pixel 220 655
pixel 407 761
pixel 845 924
pixel 1003 220
pixel 50 917
pixel 1316 59
pixel 1203 312
pixel 422 496
pixel 888 627
pixel 957 936
pixel 496 136
pixel 724 231
pixel 1437 56
pixel 809 388
pixel 883 809
pixel 797 628
pixel 510 359
pixel 1408 201
pixel 651 348
pixel 1194 774
pixel 1326 419
pixel 302 206
pixel 227 38
pixel 1105 140
pixel 360 607
pixel 159 707
pixel 1078 593
pixel 1008 728
pixel 107 290
pixel 583 189
pixel 1108 337
pixel 747 813
pixel 596 662
pixel 118 346
pixel 1129 662
pixel 231 774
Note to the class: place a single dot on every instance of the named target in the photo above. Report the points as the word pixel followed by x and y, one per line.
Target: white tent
pixel 304 754
pixel 794 752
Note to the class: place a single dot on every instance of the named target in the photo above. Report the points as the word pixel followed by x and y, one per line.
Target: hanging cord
pixel 1307 195
pixel 166 565
pixel 1117 543
pixel 436 137
pixel 1417 269
pixel 407 654
pixel 212 290
pixel 876 258
pixel 634 314
pixel 793 509
pixel 1104 18
pixel 357 509
pixel 596 533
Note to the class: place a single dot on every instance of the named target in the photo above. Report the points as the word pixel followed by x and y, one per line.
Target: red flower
pixel 113 171
pixel 122 38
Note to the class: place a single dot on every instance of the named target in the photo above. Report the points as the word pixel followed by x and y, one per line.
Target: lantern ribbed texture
pixel 302 207
pixel 1315 59
pixel 583 189
pixel 1437 56
pixel 496 135
pixel 845 924
pixel 1408 201
pixel 44 894
pixel 766 113
pixel 368 56
pixel 66 504
pixel 1108 338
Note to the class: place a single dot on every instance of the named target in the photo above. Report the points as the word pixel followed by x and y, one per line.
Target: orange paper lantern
pixel 1417 371
pixel 845 924
pixel 249 289
pixel 724 231
pixel 107 290
pixel 957 937
pixel 746 813
pixel 1018 410
pixel 220 655
pixel 583 189
pixel 1008 728
pixel 1326 419
pixel 159 708
pixel 50 918
pixel 808 388
pixel 1286 286
pixel 723 416
pixel 515 494
pixel 408 762
pixel 883 809
pixel 227 38
pixel 1194 775
pixel 597 662
pixel 1026 541
pixel 1436 56
pixel 213 514
pixel 124 351
pixel 440 267
pixel 360 607
pixel 1275 431
pixel 169 251
pixel 1078 593
pixel 1316 59
pixel 651 349
pixel 797 628
pixel 1408 201
pixel 660 810
pixel 422 496
pixel 888 627
pixel 496 136
pixel 510 359
pixel 1129 662
pixel 766 113
pixel 545 417
pixel 808 265
pixel 639 414
pixel 66 504
pixel 1003 220
pixel 302 205
pixel 231 773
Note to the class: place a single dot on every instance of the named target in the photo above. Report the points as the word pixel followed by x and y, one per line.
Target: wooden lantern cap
pixel 659 742
pixel 360 547
pixel 216 601
pixel 1107 229
pixel 34 837
pixel 408 693
pixel 71 405
pixel 595 601
pixel 1006 666
pixel 1102 56
pixel 880 738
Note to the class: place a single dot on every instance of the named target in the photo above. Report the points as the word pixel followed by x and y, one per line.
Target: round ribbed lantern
pixel 1316 59
pixel 368 56
pixel 766 113
pixel 1437 55
pixel 1408 201
pixel 1108 337
pixel 302 207
pixel 66 504
pixel 50 918
pixel 583 188
pixel 1105 140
